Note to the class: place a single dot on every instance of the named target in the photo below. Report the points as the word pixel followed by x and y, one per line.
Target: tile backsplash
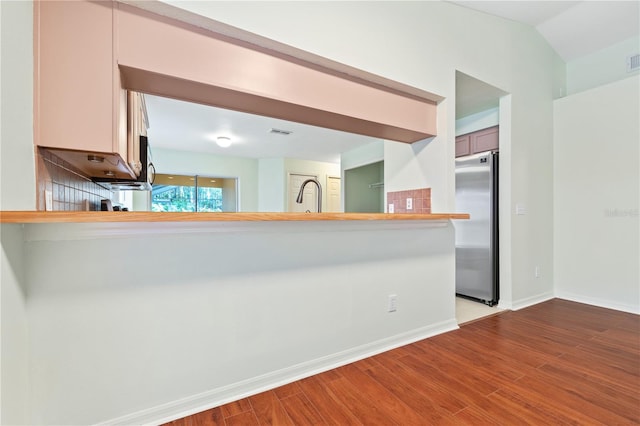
pixel 420 201
pixel 69 187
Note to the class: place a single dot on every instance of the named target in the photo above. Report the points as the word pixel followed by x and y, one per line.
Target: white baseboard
pixel 219 396
pixel 602 303
pixel 530 301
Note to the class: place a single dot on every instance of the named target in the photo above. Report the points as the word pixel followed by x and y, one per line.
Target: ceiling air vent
pixel 633 63
pixel 280 132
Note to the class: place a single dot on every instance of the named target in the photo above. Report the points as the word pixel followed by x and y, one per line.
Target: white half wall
pixel 14 353
pixel 596 196
pixel 206 313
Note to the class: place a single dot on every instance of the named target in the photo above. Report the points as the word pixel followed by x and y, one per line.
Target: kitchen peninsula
pixel 185 311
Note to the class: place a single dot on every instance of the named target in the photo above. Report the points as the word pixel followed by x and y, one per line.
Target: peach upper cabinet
pixel 88 54
pixel 80 106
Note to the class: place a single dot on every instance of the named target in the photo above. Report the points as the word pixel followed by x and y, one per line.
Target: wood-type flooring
pixel 555 363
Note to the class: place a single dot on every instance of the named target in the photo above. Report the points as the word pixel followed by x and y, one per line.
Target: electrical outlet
pixel 409 203
pixel 390 210
pixel 536 272
pixel 392 303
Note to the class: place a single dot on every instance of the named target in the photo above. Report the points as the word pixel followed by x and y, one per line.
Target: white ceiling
pixel 192 127
pixel 573 28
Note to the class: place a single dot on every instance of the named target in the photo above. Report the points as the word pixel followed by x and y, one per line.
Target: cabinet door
pixel 136 127
pixel 485 140
pixel 462 146
pixel 74 75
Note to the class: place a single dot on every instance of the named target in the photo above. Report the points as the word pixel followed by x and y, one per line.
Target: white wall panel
pixel 597 196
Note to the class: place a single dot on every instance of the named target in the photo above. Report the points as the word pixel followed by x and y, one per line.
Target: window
pixel 179 193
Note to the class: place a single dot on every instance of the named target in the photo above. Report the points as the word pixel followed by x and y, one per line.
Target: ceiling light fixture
pixel 223 141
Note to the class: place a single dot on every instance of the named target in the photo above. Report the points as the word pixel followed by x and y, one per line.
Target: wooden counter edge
pixel 151 217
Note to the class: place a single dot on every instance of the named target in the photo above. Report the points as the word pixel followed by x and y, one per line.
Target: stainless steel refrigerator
pixel 477 265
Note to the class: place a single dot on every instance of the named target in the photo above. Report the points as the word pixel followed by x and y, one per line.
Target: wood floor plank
pixel 420 403
pixel 483 381
pixel 565 415
pixel 445 382
pixel 301 410
pixel 554 363
pixel 598 393
pixel 330 375
pixel 442 399
pixel 601 369
pixel 358 403
pixel 268 408
pixel 236 407
pixel 470 416
pixel 624 357
pixel 503 351
pixel 507 347
pixel 509 371
pixel 386 401
pixel 287 390
pixel 366 363
pixel 330 407
pixel 248 418
pixel 625 339
pixel 212 417
pixel 568 396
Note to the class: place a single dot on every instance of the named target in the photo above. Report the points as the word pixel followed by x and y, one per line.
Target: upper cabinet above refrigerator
pixel 480 141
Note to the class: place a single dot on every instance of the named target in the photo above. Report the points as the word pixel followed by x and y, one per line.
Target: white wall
pixel 362 155
pixel 601 67
pixel 17 192
pixel 210 312
pixel 479 121
pixel 14 353
pixel 272 185
pixel 596 191
pixel 183 162
pixel 17 159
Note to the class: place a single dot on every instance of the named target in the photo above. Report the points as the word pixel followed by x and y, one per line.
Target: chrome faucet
pixel 301 193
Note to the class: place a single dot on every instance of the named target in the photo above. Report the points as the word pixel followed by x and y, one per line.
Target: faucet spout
pixel 301 193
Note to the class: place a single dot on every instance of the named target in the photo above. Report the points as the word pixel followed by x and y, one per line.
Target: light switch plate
pixel 521 209
pixel 390 209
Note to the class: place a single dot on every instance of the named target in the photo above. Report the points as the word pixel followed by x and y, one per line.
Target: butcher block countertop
pixel 153 217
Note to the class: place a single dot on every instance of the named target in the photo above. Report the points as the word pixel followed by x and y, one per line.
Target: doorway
pixel 481 112
pixel 364 189
pixel 333 194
